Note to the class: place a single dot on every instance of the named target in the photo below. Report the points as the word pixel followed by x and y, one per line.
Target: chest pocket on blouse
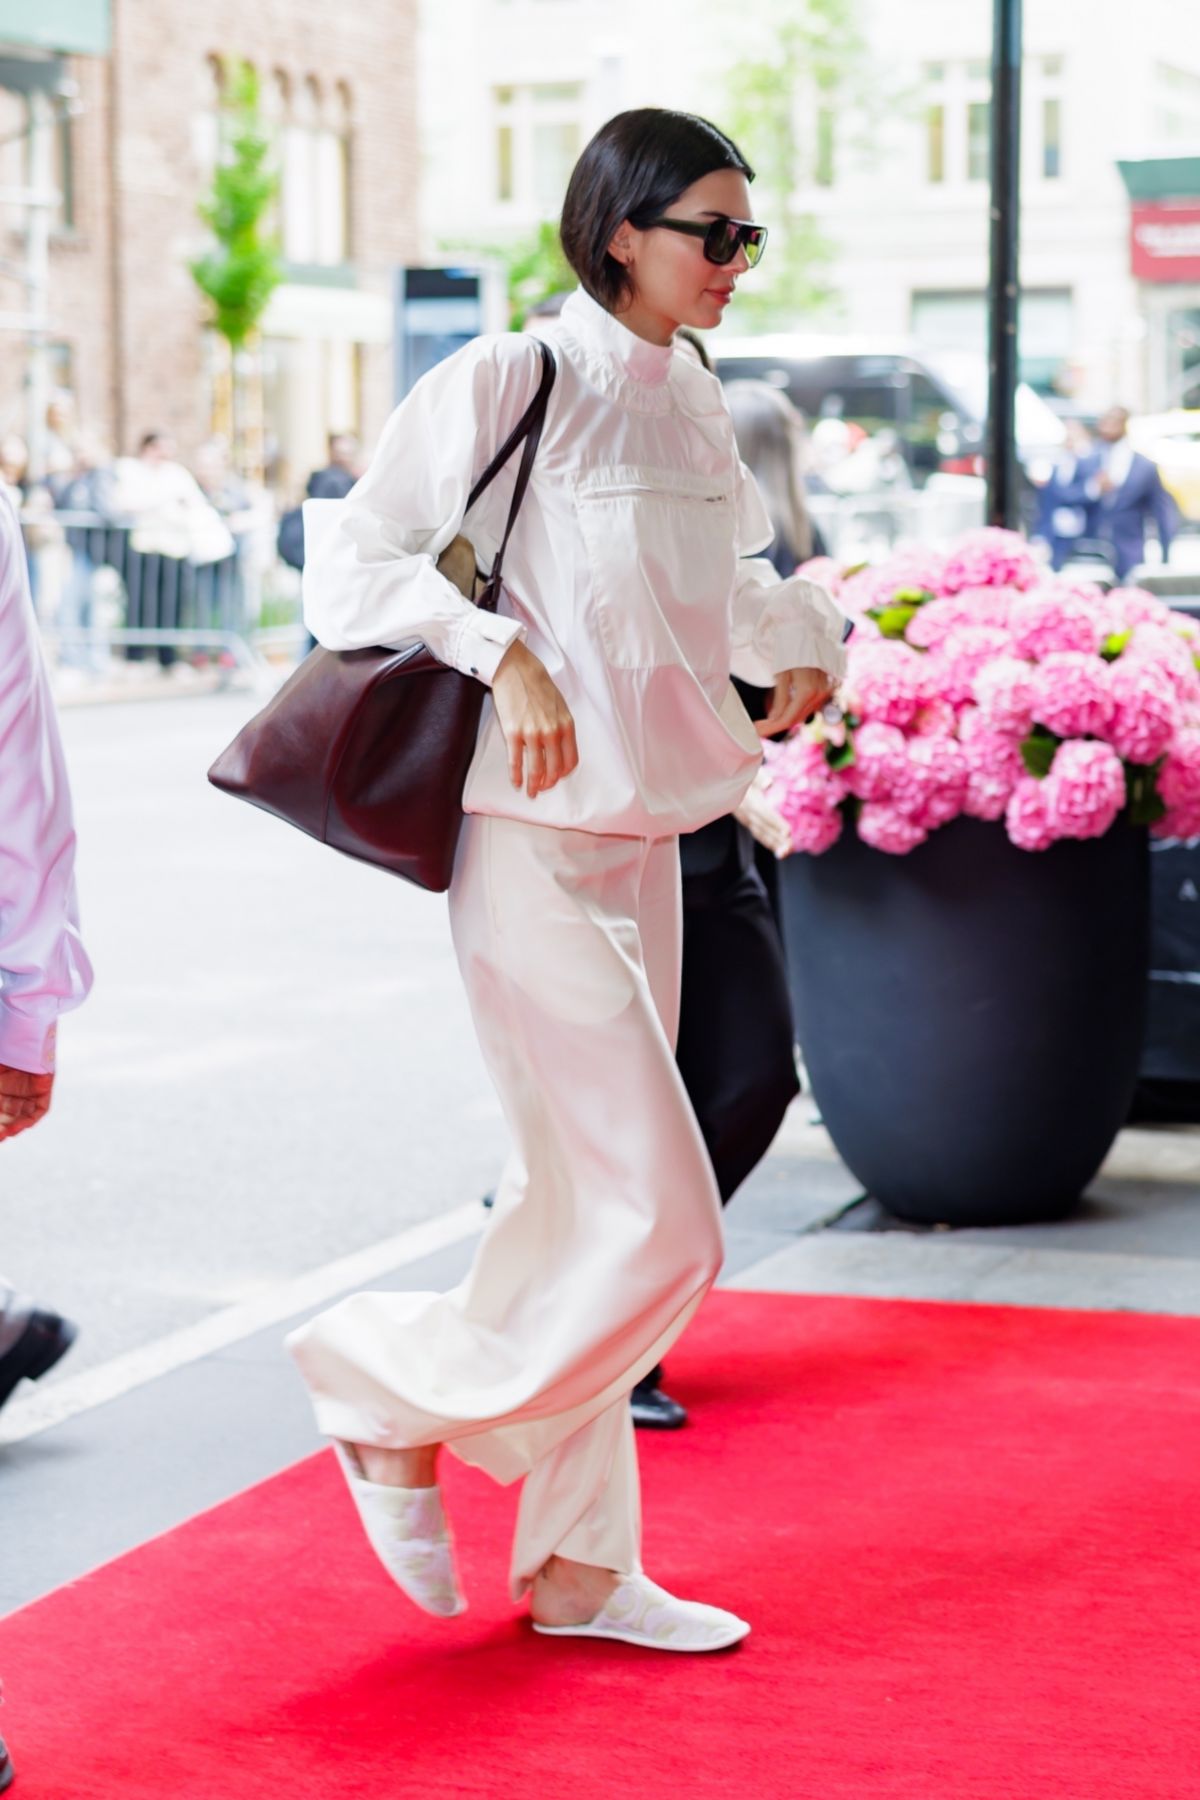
pixel 661 548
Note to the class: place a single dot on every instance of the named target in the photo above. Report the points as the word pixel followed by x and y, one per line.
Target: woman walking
pixel 613 727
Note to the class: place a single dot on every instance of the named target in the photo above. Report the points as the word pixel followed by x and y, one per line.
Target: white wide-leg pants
pixel 606 1232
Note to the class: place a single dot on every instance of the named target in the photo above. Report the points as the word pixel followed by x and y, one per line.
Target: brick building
pixel 126 321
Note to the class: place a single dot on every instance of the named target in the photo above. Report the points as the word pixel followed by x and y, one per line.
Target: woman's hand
pixel 799 693
pixel 537 725
pixel 764 821
pixel 24 1099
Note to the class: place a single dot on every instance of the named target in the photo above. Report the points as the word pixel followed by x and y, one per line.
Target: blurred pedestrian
pixel 771 441
pixel 625 604
pixel 1130 494
pixel 333 482
pixel 87 486
pixel 44 970
pixel 173 529
pixel 1067 499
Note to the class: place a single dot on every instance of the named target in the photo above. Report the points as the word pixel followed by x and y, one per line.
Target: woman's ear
pixel 620 246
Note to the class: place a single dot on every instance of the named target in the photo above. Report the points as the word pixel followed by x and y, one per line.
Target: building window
pixel 935 143
pixel 1051 138
pixel 951 328
pixel 538 137
pixel 20 115
pixel 979 140
pixel 315 172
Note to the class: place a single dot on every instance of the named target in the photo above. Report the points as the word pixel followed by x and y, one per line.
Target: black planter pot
pixel 971 1015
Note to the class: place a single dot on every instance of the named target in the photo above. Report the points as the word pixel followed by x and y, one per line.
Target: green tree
pixel 240 272
pixel 534 266
pixel 785 108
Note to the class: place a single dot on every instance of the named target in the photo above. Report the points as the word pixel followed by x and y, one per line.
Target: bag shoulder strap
pixel 529 428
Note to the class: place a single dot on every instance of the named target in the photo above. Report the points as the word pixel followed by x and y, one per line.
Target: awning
pixel 1161 177
pixel 297 310
pixel 78 27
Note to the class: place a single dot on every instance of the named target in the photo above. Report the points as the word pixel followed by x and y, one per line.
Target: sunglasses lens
pixel 721 244
pixel 725 238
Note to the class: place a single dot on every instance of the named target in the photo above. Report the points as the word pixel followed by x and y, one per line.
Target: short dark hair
pixel 635 166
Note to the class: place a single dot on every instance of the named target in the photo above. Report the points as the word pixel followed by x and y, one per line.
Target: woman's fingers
pixel 516 759
pixel 553 755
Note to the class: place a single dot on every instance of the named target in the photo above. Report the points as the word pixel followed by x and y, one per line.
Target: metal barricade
pixel 166 604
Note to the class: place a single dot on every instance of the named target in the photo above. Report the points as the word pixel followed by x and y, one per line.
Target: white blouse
pixel 624 573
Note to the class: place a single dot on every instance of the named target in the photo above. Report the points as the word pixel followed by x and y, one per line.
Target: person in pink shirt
pixel 44 969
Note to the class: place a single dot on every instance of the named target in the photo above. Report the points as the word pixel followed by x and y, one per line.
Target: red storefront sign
pixel 1165 242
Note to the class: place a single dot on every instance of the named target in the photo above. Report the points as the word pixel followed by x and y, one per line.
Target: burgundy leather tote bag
pixel 368 750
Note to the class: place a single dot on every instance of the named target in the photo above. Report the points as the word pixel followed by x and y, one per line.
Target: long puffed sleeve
pixel 778 623
pixel 43 967
pixel 370 568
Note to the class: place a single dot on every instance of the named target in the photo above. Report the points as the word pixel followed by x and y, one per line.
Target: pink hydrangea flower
pixel 991 558
pixel 936 718
pixel 880 761
pixel 1179 777
pixel 994 767
pixel 1003 691
pixel 1072 695
pixel 814 829
pixel 987 605
pixel 1178 822
pixel 885 681
pixel 877 585
pixel 807 792
pixel 1085 789
pixel 1174 653
pixel 881 826
pixel 964 652
pixel 1044 622
pixel 1026 819
pixel 1139 605
pixel 935 782
pixel 932 623
pixel 1146 709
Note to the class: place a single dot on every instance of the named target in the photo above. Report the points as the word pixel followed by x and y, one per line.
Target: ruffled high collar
pixel 601 333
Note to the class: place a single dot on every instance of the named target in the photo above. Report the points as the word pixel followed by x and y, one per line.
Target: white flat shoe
pixel 409 1533
pixel 639 1612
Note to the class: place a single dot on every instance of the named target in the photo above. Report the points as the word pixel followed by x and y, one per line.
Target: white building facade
pixel 513 88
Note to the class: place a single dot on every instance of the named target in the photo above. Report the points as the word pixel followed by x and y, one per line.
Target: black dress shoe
pixel 6 1768
pixel 652 1409
pixel 45 1338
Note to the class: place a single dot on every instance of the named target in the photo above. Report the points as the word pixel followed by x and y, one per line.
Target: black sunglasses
pixel 722 239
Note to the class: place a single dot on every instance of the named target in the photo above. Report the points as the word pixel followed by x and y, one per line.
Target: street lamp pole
pixel 1003 282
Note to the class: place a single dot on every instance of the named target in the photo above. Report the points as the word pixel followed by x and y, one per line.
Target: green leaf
pixel 892 620
pixel 1144 803
pixel 1037 752
pixel 913 596
pixel 840 756
pixel 1114 645
pixel 854 569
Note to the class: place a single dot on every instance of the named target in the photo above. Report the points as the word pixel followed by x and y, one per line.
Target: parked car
pixel 1172 440
pixel 936 406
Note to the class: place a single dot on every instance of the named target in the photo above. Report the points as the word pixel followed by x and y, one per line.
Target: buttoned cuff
pixel 27 1043
pixel 482 641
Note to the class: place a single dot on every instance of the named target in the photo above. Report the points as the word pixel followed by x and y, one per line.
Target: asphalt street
pixel 276 1066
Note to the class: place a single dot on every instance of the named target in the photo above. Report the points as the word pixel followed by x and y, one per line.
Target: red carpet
pixel 966 1536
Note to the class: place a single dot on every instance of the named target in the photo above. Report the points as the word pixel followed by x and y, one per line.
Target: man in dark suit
pixel 1130 492
pixel 1066 500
